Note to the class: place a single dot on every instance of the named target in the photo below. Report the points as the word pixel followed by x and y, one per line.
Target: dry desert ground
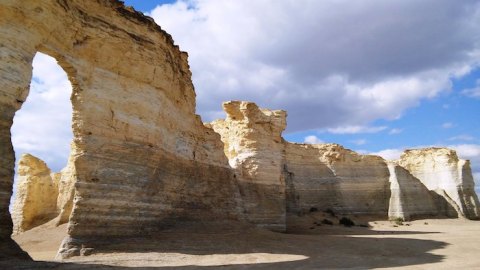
pixel 309 244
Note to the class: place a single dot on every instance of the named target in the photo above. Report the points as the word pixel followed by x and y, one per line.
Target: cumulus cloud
pixel 314 58
pixel 312 139
pixel 42 126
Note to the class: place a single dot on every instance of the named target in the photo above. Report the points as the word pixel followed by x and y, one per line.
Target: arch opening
pixel 41 138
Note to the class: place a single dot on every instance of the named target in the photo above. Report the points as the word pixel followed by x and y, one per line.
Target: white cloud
pixel 42 126
pixel 463 137
pixel 447 125
pixel 313 58
pixel 468 151
pixel 389 154
pixel 473 92
pixel 355 129
pixel 312 139
pixel 394 131
pixel 359 141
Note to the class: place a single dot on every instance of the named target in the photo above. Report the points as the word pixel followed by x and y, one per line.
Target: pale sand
pixel 424 244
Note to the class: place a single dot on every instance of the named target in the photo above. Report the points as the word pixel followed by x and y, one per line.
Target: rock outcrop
pixel 440 170
pixel 144 160
pixel 254 146
pixel 273 173
pixel 36 195
pixel 276 176
pixel 66 189
pixel 42 195
pixel 411 199
pixel 328 176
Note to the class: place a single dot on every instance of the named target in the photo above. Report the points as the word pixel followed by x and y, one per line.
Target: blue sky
pixel 407 76
pixel 146 5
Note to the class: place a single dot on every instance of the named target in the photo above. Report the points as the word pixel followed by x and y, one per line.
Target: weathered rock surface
pixel 143 159
pixel 42 195
pixel 254 145
pixel 440 170
pixel 411 199
pixel 36 197
pixel 66 189
pixel 328 176
pixel 273 174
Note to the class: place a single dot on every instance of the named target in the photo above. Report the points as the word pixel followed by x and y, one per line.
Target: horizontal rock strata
pixel 143 159
pixel 36 195
pixel 411 199
pixel 440 170
pixel 42 195
pixel 328 176
pixel 424 183
pixel 253 143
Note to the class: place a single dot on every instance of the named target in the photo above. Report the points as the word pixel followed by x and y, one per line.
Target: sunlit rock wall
pixel 411 199
pixel 143 159
pixel 440 170
pixel 253 143
pixel 328 176
pixel 35 200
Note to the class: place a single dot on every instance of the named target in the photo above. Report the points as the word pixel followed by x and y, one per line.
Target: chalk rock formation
pixel 328 176
pixel 254 146
pixel 440 170
pixel 66 189
pixel 36 196
pixel 411 199
pixel 144 159
pixel 42 195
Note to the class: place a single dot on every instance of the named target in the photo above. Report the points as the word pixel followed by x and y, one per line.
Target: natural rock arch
pixel 141 155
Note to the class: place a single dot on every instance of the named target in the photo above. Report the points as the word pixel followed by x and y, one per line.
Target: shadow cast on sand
pixel 238 247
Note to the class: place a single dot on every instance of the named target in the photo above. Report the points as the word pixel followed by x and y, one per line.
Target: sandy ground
pixel 309 244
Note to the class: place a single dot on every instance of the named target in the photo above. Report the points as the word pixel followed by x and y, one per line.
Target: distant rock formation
pixel 41 195
pixel 36 194
pixel 411 199
pixel 440 170
pixel 328 176
pixel 273 173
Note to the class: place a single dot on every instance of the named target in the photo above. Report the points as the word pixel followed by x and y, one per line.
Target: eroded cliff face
pixel 36 195
pixel 254 145
pixel 277 177
pixel 411 199
pixel 440 170
pixel 41 195
pixel 143 159
pixel 328 176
